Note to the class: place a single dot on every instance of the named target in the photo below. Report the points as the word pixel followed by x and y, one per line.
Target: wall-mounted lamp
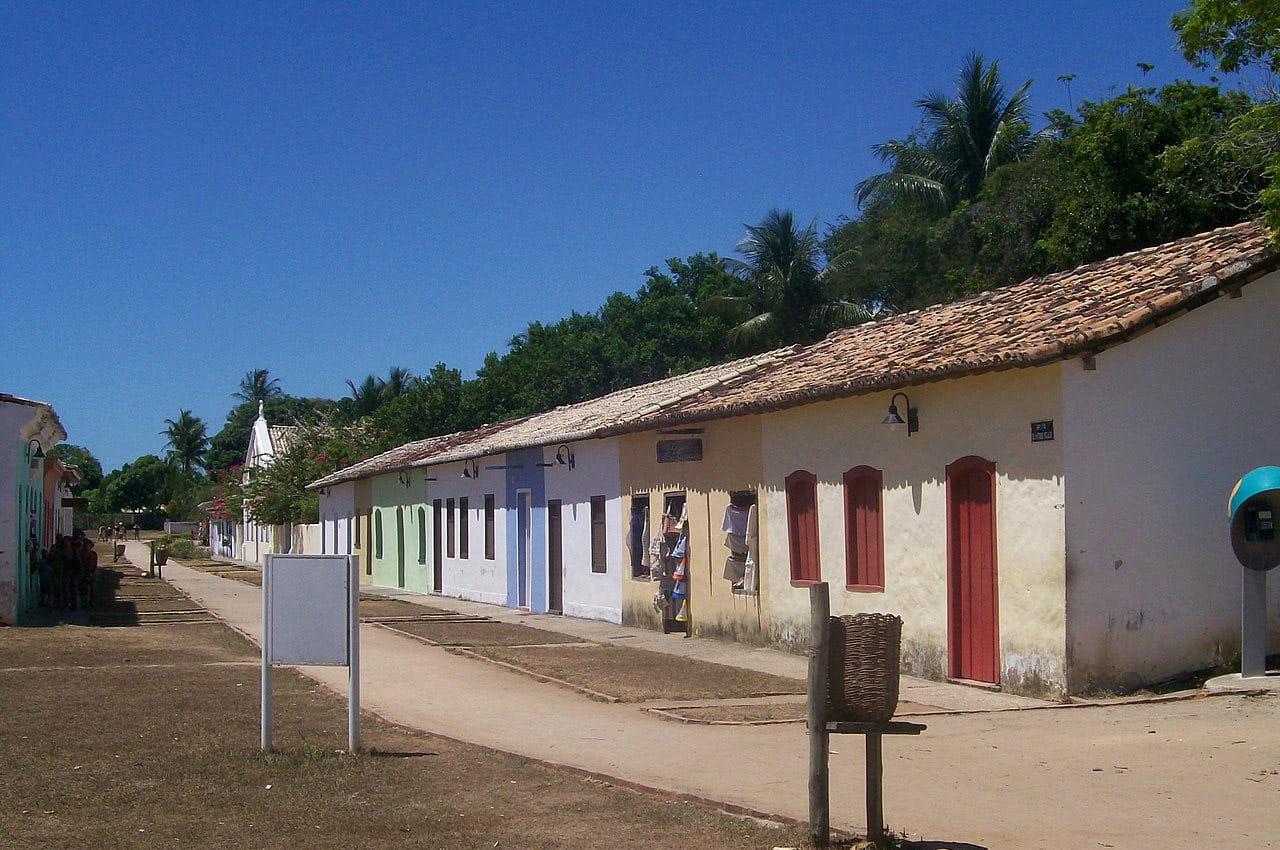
pixel 403 478
pixel 893 420
pixel 470 469
pixel 37 455
pixel 564 457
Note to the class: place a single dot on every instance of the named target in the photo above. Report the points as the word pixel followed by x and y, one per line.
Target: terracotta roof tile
pixel 1042 319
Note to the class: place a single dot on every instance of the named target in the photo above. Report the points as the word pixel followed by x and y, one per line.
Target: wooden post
pixel 875 788
pixel 819 653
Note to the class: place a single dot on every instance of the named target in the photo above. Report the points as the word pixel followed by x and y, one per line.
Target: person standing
pixel 88 574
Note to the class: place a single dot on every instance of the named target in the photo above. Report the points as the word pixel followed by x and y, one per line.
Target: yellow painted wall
pixel 731 461
pixel 987 415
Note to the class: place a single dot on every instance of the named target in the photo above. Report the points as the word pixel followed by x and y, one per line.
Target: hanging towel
pixel 646 558
pixel 735 520
pixel 735 568
pixel 751 576
pixel 736 543
pixel 635 539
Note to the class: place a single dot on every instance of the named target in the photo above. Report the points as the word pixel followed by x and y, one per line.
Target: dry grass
pixel 635 675
pixel 147 738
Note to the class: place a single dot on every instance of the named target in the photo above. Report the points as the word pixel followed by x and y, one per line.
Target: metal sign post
pixel 310 616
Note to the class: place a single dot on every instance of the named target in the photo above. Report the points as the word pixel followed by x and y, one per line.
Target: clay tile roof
pixel 282 437
pixel 1042 319
pixel 563 424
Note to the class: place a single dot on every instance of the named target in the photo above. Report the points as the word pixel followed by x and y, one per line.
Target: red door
pixel 973 644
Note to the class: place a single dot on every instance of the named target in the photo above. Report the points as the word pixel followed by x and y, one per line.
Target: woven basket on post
pixel 863 672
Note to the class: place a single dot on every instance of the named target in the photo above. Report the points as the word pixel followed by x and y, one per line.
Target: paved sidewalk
pixel 1171 774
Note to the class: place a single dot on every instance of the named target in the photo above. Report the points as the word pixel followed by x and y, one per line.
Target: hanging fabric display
pixel 751 573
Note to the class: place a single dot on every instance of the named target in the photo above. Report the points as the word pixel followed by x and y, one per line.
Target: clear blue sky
pixel 193 190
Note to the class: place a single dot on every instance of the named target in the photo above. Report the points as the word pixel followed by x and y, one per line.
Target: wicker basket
pixel 863 671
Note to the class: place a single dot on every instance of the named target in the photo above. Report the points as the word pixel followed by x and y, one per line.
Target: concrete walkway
pixel 988 775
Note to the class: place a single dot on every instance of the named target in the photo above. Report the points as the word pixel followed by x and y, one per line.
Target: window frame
pixel 864 553
pixel 803 574
pixel 490 529
pixel 599 535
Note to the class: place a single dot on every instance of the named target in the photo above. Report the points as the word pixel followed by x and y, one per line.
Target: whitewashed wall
pixel 596 596
pixel 337 508
pixel 986 415
pixel 1155 439
pixel 474 577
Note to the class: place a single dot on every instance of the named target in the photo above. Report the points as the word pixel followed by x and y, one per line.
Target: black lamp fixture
pixel 403 478
pixel 38 455
pixel 470 469
pixel 894 419
pixel 564 456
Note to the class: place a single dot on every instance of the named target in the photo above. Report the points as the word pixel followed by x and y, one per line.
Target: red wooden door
pixel 973 643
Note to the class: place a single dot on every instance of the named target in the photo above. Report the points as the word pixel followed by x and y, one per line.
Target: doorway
pixel 973 644
pixel 555 559
pixel 524 522
pixel 437 547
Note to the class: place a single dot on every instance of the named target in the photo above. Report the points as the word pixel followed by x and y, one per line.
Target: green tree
pixel 791 297
pixel 227 447
pixel 967 137
pixel 187 440
pixel 1233 34
pixel 1236 35
pixel 81 458
pixel 143 485
pixel 277 494
pixel 438 403
pixel 256 386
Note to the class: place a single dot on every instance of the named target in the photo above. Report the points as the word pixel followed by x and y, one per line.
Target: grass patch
pixel 635 675
pixel 112 751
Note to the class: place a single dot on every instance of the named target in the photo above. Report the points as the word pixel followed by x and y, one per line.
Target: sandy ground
pixel 1183 773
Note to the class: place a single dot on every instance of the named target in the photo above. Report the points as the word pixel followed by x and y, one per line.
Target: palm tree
pixel 255 386
pixel 366 396
pixel 792 301
pixel 969 137
pixel 399 381
pixel 187 440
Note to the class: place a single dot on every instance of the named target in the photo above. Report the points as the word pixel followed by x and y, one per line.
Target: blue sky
pixel 191 191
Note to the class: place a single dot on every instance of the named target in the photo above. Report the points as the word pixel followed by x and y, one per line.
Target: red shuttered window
pixel 802 526
pixel 864 529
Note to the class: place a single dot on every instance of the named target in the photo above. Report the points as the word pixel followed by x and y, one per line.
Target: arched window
pixel 802 526
pixel 864 529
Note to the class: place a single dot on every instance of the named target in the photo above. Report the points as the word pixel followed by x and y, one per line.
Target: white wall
pixel 1155 439
pixel 986 415
pixel 337 506
pixel 474 577
pixel 596 596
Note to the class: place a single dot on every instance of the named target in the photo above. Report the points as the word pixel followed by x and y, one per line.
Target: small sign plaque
pixel 674 451
pixel 1042 431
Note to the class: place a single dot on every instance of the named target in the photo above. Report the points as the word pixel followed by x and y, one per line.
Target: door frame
pixel 524 547
pixel 958 622
pixel 555 556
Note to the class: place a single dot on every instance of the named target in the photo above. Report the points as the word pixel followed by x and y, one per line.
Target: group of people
pixel 118 532
pixel 67 572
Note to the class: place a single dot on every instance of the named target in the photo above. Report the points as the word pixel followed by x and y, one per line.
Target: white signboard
pixel 310 615
pixel 307 609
